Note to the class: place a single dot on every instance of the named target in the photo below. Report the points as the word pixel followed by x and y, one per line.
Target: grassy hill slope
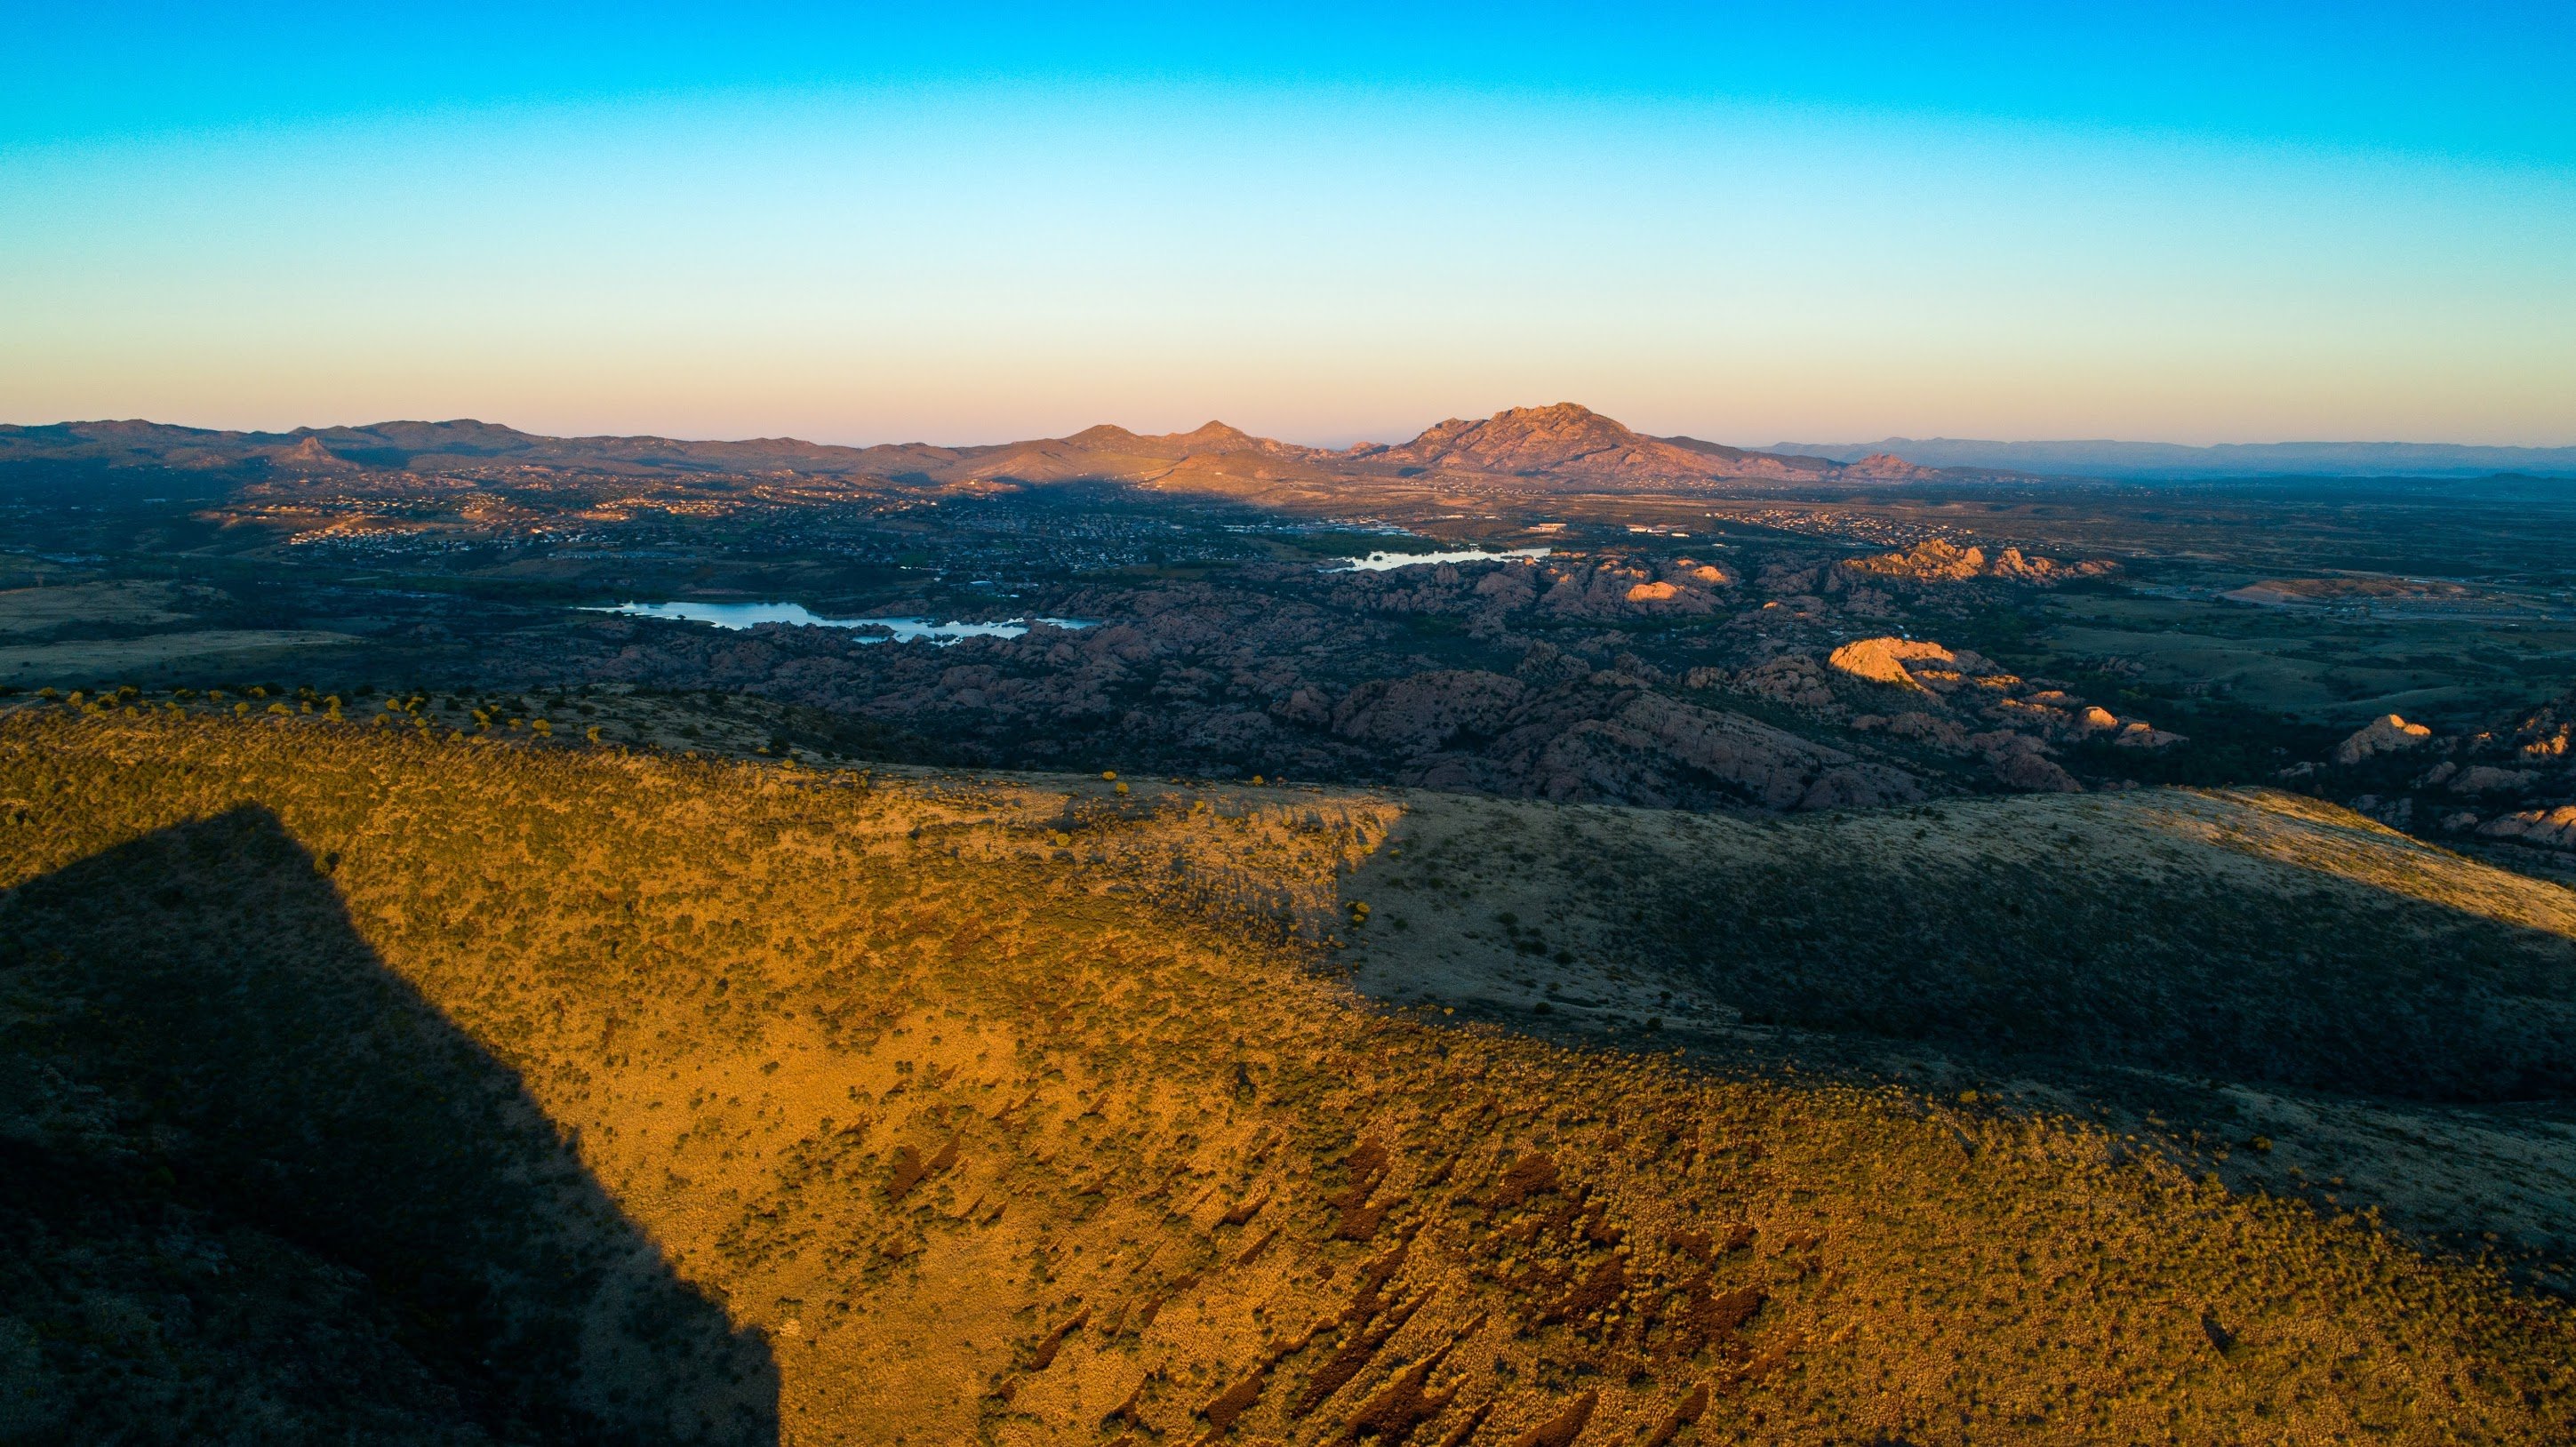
pixel 434 1091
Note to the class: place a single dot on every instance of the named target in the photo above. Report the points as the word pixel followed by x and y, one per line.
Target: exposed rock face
pixel 2019 763
pixel 1782 578
pixel 1780 768
pixel 1941 733
pixel 1304 705
pixel 1885 660
pixel 1547 665
pixel 1634 751
pixel 2386 735
pixel 1936 561
pixel 1426 712
pixel 1508 587
pixel 2549 828
pixel 2549 732
pixel 1610 587
pixel 2010 563
pixel 2515 776
pixel 1963 684
pixel 1792 678
pixel 1942 561
pixel 2488 779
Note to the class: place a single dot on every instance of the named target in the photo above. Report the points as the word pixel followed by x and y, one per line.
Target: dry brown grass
pixel 984 1137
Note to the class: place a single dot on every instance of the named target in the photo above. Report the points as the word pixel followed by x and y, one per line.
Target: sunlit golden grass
pixel 1019 1111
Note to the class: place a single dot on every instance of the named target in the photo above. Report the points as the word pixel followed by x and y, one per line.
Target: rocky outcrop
pixel 1939 560
pixel 1648 734
pixel 2019 761
pixel 1891 660
pixel 1941 733
pixel 1795 679
pixel 1935 561
pixel 2488 779
pixel 2386 735
pixel 1508 588
pixel 1610 587
pixel 1956 683
pixel 2548 828
pixel 1426 712
pixel 2510 781
pixel 2548 733
pixel 1783 578
pixel 1304 705
pixel 2134 734
pixel 1545 665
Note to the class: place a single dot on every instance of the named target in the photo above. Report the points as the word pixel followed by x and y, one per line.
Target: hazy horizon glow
pixel 2182 226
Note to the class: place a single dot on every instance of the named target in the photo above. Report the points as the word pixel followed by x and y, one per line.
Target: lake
pixel 1381 562
pixel 898 630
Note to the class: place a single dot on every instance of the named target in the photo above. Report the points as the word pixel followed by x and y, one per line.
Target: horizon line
pixel 1352 438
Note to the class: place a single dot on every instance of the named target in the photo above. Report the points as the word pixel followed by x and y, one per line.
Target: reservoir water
pixel 1381 562
pixel 898 630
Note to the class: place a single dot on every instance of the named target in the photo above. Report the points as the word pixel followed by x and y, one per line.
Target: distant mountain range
pixel 1565 446
pixel 2167 460
pixel 1572 442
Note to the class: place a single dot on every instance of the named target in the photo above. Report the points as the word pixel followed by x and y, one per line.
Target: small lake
pixel 1382 562
pixel 897 630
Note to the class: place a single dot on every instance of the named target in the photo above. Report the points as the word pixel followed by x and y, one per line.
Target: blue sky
pixel 2193 223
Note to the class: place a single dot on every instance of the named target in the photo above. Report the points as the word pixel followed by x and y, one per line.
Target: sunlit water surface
pixel 1381 562
pixel 895 630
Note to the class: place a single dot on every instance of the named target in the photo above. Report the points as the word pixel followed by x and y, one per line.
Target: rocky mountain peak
pixel 1214 436
pixel 1530 439
pixel 1104 434
pixel 309 455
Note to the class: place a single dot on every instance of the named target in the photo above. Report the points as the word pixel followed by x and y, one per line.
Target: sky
pixel 1825 223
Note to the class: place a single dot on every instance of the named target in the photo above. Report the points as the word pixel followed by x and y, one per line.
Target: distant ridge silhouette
pixel 2168 460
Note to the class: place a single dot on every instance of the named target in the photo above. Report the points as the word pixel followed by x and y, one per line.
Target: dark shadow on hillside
pixel 2306 979
pixel 255 1188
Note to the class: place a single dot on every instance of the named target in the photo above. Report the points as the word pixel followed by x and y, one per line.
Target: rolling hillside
pixel 384 1083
